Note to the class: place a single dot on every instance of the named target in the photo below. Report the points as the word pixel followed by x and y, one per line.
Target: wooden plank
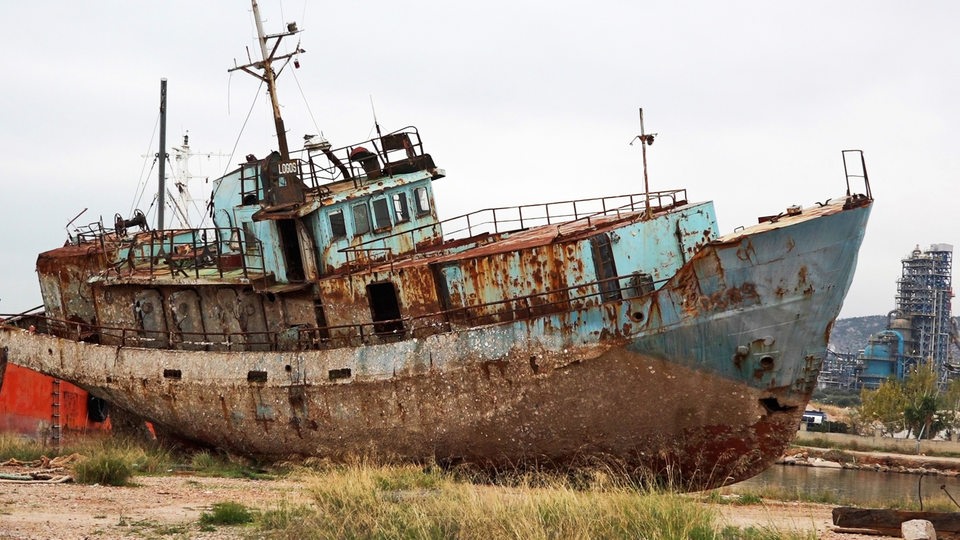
pixel 869 518
pixel 866 532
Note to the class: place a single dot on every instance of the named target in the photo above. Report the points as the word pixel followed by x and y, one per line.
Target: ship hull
pixel 702 382
pixel 44 408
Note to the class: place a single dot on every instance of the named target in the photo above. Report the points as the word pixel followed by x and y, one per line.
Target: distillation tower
pixel 921 328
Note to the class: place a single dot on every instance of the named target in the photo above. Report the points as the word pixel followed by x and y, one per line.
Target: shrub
pixel 108 468
pixel 226 513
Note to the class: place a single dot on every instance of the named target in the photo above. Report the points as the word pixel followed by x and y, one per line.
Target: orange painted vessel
pixel 46 408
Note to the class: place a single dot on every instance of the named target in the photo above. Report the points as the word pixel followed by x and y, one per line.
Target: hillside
pixel 851 335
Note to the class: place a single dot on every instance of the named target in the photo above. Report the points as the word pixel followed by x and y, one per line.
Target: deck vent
pixel 256 376
pixel 172 374
pixel 336 374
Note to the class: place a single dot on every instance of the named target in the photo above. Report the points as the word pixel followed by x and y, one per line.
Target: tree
pixel 915 404
pixel 884 405
pixel 952 403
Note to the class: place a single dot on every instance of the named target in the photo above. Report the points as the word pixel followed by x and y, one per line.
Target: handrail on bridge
pixel 516 220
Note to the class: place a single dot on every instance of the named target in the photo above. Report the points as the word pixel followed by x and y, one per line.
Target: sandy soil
pixel 170 507
pixel 167 506
pixel 787 517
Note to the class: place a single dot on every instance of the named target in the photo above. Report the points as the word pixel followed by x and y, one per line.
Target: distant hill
pixel 851 335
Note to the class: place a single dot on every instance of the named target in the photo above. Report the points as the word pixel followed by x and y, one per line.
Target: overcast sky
pixel 520 102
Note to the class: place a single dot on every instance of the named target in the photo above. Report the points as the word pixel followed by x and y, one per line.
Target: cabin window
pixel 423 201
pixel 338 226
pixel 381 214
pixel 400 209
pixel 361 219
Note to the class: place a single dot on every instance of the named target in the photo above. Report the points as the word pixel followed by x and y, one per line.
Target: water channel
pixel 849 486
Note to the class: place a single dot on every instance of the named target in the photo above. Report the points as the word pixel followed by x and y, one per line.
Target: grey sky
pixel 520 102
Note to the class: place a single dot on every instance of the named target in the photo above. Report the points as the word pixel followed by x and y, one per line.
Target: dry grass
pixel 405 501
pixel 366 499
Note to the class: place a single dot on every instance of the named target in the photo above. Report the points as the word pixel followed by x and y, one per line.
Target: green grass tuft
pixel 227 513
pixel 748 499
pixel 108 468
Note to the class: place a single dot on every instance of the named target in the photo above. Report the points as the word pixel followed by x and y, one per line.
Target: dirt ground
pixel 170 507
pixel 167 506
pixel 787 517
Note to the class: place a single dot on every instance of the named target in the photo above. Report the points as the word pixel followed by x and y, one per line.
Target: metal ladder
pixel 55 427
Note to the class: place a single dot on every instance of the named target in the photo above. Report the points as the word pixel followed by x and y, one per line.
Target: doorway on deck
pixel 385 308
pixel 290 243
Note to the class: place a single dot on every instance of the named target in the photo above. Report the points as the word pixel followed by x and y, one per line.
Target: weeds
pixel 763 533
pixel 748 499
pixel 227 513
pixel 363 501
pixel 109 469
pixel 776 493
pixel 19 448
pixel 205 463
pixel 114 460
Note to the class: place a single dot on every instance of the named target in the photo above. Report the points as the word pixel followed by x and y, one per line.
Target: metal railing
pixel 363 162
pixel 187 252
pixel 495 221
pixel 856 168
pixel 575 297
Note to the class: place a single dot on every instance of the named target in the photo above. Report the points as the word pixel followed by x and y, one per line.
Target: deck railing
pixel 191 253
pixel 496 221
pixel 572 298
pixel 319 164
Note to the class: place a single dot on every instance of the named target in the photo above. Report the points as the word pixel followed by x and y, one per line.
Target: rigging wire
pixel 143 190
pixel 142 186
pixel 235 145
pixel 304 96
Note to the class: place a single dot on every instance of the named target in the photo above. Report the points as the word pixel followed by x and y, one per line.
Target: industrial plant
pixel 920 329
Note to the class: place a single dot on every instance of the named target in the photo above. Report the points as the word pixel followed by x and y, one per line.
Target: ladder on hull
pixel 56 428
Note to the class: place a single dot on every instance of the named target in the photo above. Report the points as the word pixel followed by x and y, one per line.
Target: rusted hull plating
pixel 703 380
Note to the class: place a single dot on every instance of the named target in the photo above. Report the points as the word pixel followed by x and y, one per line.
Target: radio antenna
pixel 375 123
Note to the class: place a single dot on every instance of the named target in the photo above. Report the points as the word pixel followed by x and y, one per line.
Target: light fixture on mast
pixel 268 75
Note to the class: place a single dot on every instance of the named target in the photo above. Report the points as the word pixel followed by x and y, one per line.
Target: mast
pixel 646 139
pixel 162 154
pixel 268 75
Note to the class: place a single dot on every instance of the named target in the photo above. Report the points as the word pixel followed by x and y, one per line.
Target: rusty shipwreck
pixel 328 311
